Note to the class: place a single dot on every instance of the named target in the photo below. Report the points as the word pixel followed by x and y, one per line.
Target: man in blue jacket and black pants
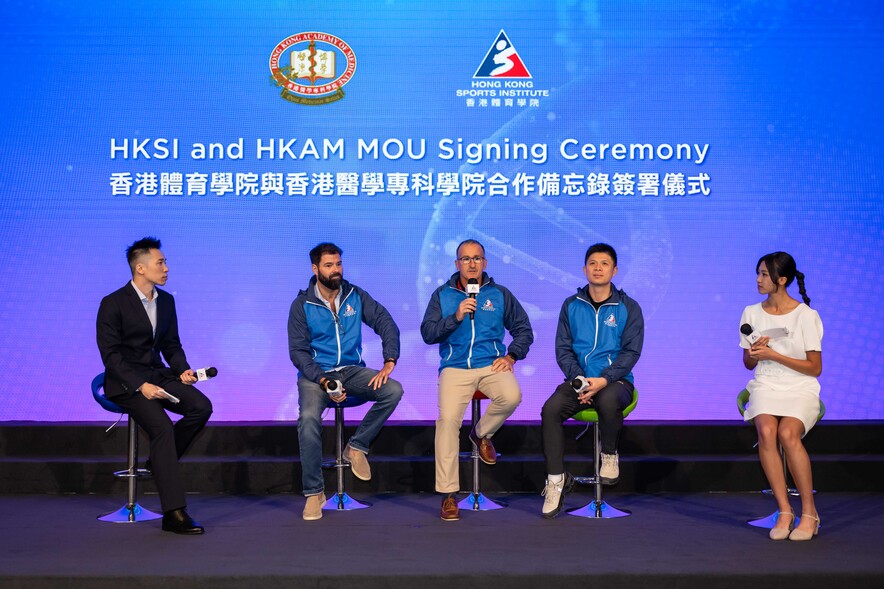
pixel 325 344
pixel 467 317
pixel 598 341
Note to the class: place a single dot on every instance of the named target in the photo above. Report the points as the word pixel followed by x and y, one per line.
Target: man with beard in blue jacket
pixel 598 341
pixel 325 344
pixel 467 317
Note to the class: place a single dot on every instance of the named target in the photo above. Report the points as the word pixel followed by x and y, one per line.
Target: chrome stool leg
pixel 132 511
pixel 476 500
pixel 341 501
pixel 597 508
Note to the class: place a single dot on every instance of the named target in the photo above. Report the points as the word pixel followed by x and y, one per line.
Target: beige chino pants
pixel 456 389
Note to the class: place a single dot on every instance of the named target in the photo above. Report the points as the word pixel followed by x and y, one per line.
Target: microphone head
pixel 211 372
pixel 576 384
pixel 473 281
pixel 472 287
pixel 331 386
pixel 746 329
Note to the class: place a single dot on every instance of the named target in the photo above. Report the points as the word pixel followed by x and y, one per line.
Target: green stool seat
pixel 598 508
pixel 771 520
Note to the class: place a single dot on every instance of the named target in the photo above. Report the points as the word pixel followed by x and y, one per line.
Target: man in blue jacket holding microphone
pixel 467 316
pixel 325 344
pixel 598 341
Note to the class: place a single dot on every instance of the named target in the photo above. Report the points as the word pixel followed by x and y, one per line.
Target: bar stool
pixel 771 520
pixel 476 501
pixel 598 508
pixel 131 512
pixel 341 501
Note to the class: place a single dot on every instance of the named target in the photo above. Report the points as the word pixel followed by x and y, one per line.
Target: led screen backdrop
pixel 692 136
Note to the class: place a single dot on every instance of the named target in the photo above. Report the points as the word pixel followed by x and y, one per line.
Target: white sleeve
pixel 812 331
pixel 744 341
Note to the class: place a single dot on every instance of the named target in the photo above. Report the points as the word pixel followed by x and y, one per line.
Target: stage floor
pixel 671 540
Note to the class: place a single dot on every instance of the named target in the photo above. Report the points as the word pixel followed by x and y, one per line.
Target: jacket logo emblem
pixel 611 321
pixel 349 311
pixel 488 306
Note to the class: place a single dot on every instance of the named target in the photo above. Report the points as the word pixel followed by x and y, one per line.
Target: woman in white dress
pixel 784 348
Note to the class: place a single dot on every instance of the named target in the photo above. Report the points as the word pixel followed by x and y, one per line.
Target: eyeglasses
pixel 467 259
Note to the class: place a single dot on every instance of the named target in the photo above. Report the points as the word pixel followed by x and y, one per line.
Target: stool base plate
pixel 768 522
pixel 596 510
pixel 478 502
pixel 343 502
pixel 125 515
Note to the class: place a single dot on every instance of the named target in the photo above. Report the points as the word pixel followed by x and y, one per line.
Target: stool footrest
pixel 140 473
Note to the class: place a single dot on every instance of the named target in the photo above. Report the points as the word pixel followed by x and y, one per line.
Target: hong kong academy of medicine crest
pixel 312 68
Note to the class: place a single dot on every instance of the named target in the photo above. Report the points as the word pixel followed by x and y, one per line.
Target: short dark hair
pixel 324 248
pixel 600 248
pixel 466 242
pixel 140 248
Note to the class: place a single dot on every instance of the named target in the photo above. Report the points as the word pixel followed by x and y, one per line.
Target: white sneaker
pixel 610 471
pixel 555 495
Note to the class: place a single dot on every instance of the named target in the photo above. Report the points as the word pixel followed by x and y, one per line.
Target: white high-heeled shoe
pixel 802 536
pixel 782 533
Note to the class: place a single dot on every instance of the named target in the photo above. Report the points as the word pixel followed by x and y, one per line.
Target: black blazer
pixel 131 354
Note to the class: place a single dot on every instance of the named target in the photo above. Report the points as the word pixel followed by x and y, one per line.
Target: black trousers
pixel 168 442
pixel 563 404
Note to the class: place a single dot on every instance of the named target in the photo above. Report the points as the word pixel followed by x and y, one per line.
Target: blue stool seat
pixel 341 501
pixel 598 508
pixel 132 511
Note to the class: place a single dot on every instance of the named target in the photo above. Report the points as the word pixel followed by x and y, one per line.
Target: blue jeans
pixel 312 402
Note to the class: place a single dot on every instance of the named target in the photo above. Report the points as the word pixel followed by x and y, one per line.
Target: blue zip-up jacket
pixel 476 343
pixel 320 341
pixel 605 343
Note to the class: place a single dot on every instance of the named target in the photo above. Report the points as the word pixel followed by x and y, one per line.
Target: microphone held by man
pixel 472 291
pixel 205 373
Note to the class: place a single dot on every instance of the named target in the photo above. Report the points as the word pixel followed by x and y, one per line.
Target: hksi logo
pixel 502 61
pixel 611 321
pixel 488 306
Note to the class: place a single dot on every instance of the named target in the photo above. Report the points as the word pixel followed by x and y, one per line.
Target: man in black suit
pixel 135 325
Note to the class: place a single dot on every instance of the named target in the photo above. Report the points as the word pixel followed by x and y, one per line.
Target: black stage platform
pixel 671 540
pixel 262 458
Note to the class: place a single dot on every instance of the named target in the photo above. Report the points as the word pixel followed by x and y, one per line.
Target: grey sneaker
pixel 313 507
pixel 610 471
pixel 358 463
pixel 555 495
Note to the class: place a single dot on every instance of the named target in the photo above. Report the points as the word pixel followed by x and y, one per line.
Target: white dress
pixel 776 389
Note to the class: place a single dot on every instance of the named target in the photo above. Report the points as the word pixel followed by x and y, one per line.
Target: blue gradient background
pixel 787 94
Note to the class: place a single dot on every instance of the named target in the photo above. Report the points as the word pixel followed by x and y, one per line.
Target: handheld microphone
pixel 578 384
pixel 205 373
pixel 752 335
pixel 333 387
pixel 472 291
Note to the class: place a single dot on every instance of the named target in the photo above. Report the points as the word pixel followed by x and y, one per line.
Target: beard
pixel 332 282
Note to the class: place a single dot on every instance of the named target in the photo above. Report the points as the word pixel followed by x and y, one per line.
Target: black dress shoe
pixel 179 522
